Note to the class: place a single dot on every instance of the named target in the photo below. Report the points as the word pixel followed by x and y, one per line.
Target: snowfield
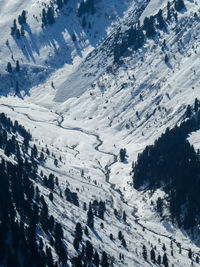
pixel 93 108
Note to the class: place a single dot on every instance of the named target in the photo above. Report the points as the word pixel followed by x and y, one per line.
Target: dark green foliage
pixel 104 260
pixel 18 35
pixel 44 17
pixel 173 164
pixel 76 243
pixel 166 59
pixel 144 252
pixel 188 111
pixel 72 197
pixel 13 28
pixel 22 18
pixel 78 231
pixel 17 66
pixel 50 15
pixel 96 259
pixel 86 231
pixel 159 206
pixel 161 22
pixel 153 255
pixel 120 236
pixel 73 37
pixel 159 260
pixel 179 5
pixel 50 196
pixel 124 216
pixel 165 260
pixel 122 154
pixel 88 250
pixel 76 261
pixel 123 242
pixel 190 253
pixel 9 67
pixel 149 26
pixel 90 217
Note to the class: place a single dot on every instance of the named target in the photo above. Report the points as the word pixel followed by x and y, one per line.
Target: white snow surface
pixel 90 113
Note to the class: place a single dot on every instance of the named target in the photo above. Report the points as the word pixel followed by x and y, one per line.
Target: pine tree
pixel 9 67
pixel 78 231
pixel 179 5
pixel 50 15
pixel 50 196
pixel 44 17
pixel 18 34
pixel 17 66
pixel 88 250
pixel 165 260
pixel 124 216
pixel 76 243
pixel 161 22
pixel 73 37
pixel 144 252
pixel 96 259
pixel 153 255
pixel 188 111
pixel 14 27
pixel 90 217
pixel 104 260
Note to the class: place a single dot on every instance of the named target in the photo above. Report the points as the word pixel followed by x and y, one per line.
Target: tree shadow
pixel 32 39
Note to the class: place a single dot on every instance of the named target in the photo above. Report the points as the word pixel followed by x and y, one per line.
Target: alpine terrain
pixel 99 133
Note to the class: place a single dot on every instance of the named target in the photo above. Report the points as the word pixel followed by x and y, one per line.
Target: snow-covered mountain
pixel 83 106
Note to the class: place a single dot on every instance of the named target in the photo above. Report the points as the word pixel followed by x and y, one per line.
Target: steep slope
pixel 96 106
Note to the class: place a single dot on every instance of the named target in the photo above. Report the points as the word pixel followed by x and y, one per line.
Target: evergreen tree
pixel 78 231
pixel 18 34
pixel 104 260
pixel 144 252
pixel 124 216
pixel 188 111
pixel 88 250
pixel 50 15
pixel 14 27
pixel 44 17
pixel 90 217
pixel 9 67
pixel 179 5
pixel 122 154
pixel 96 259
pixel 17 66
pixel 153 255
pixel 165 260
pixel 50 196
pixel 76 243
pixel 161 22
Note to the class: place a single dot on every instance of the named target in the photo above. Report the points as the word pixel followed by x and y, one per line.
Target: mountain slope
pixel 85 107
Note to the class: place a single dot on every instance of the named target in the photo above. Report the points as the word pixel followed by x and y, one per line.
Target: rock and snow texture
pixel 94 108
